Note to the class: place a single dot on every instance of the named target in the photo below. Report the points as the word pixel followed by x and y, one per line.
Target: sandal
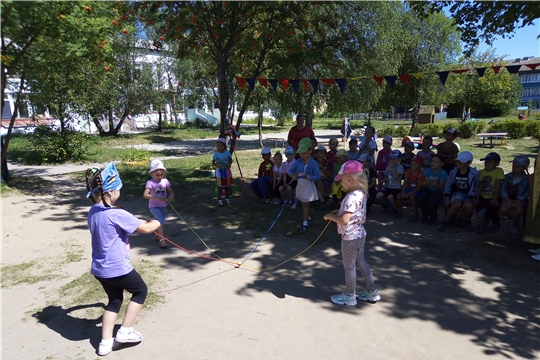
pixel 162 243
pixel 303 229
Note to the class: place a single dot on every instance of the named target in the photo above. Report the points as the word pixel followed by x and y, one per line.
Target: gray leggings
pixel 353 258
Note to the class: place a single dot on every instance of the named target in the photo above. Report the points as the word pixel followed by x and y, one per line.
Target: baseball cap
pixel 395 154
pixel 418 159
pixel 265 151
pixel 409 143
pixel 451 131
pixel 156 165
pixel 464 156
pixel 492 156
pixel 387 138
pixel 521 160
pixel 320 148
pixel 222 140
pixel 350 167
pixel 341 153
pixel 289 150
pixel 304 145
pixel 364 157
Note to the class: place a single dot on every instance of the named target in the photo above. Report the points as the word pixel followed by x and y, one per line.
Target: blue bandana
pixel 111 178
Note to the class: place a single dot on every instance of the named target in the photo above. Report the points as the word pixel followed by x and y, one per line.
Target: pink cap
pixel 350 167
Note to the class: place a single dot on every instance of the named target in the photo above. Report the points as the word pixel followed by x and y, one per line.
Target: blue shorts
pixel 458 196
pixel 408 190
pixel 159 214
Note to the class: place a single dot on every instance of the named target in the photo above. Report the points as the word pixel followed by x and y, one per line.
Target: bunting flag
pixel 328 81
pixel 251 82
pixel 532 66
pixel 295 84
pixel 391 80
pixel 496 69
pixel 404 78
pixel 513 69
pixel 481 71
pixel 306 84
pixel 241 82
pixel 341 83
pixel 273 82
pixel 315 84
pixel 285 83
pixel 264 82
pixel 418 75
pixel 443 75
pixel 379 80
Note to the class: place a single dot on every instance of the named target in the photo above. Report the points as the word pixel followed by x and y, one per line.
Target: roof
pixel 24 122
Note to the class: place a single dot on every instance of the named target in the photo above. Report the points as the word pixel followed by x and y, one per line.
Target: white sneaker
pixel 105 347
pixel 130 336
pixel 293 206
pixel 536 257
pixel 371 296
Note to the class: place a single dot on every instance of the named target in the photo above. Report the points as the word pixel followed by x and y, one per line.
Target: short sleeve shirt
pixel 426 155
pixel 461 182
pixel 158 189
pixel 222 158
pixel 487 181
pixel 439 176
pixel 393 182
pixel 372 144
pixel 355 203
pixel 414 181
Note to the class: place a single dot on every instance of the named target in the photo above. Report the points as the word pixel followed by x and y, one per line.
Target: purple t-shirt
pixel 158 189
pixel 110 228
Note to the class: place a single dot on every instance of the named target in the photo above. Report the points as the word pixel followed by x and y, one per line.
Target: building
pixel 530 80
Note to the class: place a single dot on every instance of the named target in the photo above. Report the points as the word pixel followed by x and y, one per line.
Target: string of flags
pixel 391 80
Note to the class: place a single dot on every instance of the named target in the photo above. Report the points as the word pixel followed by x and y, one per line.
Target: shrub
pixel 401 131
pixel 480 126
pixel 389 130
pixel 53 147
pixel 467 129
pixel 532 129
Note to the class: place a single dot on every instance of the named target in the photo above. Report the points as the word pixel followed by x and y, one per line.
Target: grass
pixel 30 272
pixel 26 185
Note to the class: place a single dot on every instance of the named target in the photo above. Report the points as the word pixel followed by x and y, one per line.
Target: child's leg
pixel 219 192
pixel 227 192
pixel 414 203
pixel 349 253
pixel 363 266
pixel 399 202
pixel 493 214
pixel 305 210
pixel 452 210
pixel 255 187
pixel 320 190
pixel 433 202
pixel 380 179
pixel 468 208
pixel 392 200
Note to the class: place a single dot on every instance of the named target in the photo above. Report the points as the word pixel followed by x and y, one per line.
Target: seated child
pixel 431 194
pixel 392 180
pixel 383 159
pixel 333 144
pixel 412 184
pixel 324 184
pixel 408 155
pixel 277 179
pixel 514 191
pixel 353 153
pixel 448 150
pixel 288 184
pixel 260 185
pixel 460 190
pixel 338 191
pixel 372 180
pixel 425 152
pixel 369 145
pixel 489 189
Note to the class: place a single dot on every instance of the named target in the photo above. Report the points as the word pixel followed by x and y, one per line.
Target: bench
pixel 490 136
pixel 275 141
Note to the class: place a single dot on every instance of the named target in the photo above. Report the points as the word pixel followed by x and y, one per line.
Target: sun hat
pixel 289 150
pixel 364 157
pixel 304 145
pixel 492 156
pixel 350 167
pixel 388 139
pixel 395 154
pixel 111 178
pixel 341 153
pixel 156 165
pixel 222 140
pixel 451 131
pixel 265 151
pixel 465 156
pixel 521 160
pixel 320 148
pixel 418 159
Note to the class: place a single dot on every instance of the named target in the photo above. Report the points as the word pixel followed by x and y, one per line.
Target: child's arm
pixel 170 191
pixel 148 195
pixel 342 220
pixel 404 186
pixel 439 185
pixel 148 227
pixel 216 165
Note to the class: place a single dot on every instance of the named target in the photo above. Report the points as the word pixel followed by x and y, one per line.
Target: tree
pixel 482 20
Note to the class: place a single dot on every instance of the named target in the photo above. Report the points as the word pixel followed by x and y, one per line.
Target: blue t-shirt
pixel 222 158
pixel 440 175
pixel 394 183
pixel 110 228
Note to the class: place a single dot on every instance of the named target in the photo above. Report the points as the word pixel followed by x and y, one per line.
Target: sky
pixel 524 43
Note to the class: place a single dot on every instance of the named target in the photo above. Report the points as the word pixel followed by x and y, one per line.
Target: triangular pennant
pixel 418 75
pixel 241 82
pixel 328 81
pixel 496 69
pixel 404 78
pixel 532 66
pixel 294 84
pixel 306 84
pixel 513 69
pixel 481 71
pixel 251 82
pixel 341 83
pixel 264 82
pixel 285 83
pixel 443 75
pixel 379 80
pixel 459 71
pixel 391 80
pixel 315 84
pixel 273 82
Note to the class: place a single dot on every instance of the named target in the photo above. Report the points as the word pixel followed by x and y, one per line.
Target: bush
pixel 467 129
pixel 53 147
pixel 532 129
pixel 401 131
pixel 480 126
pixel 389 130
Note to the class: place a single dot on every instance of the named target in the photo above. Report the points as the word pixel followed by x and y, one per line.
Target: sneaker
pixel 129 336
pixel 294 206
pixel 105 347
pixel 493 228
pixel 424 219
pixel 344 299
pixel 441 227
pixel 267 200
pixel 432 221
pixel 371 296
pixel 413 219
pixel 536 257
pixel 468 226
pixel 163 243
pixel 227 201
pixel 534 251
pixel 219 203
pixel 303 228
pixel 480 229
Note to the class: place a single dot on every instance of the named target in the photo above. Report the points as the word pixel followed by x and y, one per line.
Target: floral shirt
pixel 355 203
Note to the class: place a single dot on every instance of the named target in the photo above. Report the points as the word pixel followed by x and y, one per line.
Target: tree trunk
pixel 309 114
pixel 5 145
pixel 260 121
pixel 160 122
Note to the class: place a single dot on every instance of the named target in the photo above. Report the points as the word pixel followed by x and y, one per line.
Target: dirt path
pixel 451 295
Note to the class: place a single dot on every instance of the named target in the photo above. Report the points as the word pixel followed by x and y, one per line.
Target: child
pixel 392 181
pixel 333 144
pixel 278 178
pixel 412 185
pixel 155 191
pixel 350 221
pixel 260 186
pixel 306 171
pixel 109 228
pixel 324 184
pixel 383 159
pixel 222 161
pixel 431 194
pixel 514 191
pixel 372 180
pixel 425 152
pixel 369 145
pixel 448 150
pixel 460 190
pixel 288 184
pixel 408 155
pixel 489 189
pixel 337 190
pixel 314 145
pixel 353 153
pixel 346 130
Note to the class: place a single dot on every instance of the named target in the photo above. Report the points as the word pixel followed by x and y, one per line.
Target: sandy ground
pixel 451 295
